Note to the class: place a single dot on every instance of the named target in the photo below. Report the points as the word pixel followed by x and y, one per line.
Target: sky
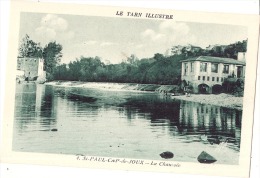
pixel 114 39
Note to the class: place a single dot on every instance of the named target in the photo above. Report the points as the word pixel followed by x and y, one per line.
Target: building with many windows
pixel 206 73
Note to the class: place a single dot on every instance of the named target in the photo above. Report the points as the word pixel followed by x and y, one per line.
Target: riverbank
pixel 222 99
pixel 225 100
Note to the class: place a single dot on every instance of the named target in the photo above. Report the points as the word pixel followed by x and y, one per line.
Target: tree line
pixel 229 51
pixel 155 70
pixel 225 51
pixel 159 69
pixel 51 53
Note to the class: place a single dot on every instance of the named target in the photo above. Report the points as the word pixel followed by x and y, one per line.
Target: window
pixel 192 67
pixel 203 78
pixel 213 78
pixel 217 79
pixel 214 67
pixel 185 68
pixel 226 69
pixel 208 78
pixel 198 77
pixel 222 79
pixel 203 67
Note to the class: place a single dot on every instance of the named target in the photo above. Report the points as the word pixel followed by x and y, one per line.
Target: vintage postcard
pixel 130 89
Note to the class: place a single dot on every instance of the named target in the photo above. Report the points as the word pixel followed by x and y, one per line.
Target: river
pixel 122 123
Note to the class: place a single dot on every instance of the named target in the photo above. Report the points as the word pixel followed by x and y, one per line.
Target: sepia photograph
pixel 129 88
pixel 135 87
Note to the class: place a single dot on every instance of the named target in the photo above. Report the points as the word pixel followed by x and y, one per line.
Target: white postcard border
pixel 68 160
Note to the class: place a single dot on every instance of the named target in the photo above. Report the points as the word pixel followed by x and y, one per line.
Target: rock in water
pixel 214 141
pixel 167 155
pixel 204 137
pixel 204 157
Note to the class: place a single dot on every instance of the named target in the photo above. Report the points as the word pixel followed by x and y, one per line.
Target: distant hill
pixel 217 50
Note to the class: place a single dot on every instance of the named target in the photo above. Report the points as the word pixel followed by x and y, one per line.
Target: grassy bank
pixel 225 100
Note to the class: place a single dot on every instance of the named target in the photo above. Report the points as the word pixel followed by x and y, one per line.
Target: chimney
pixel 241 56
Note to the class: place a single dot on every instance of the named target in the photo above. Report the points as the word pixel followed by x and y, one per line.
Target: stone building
pixel 31 68
pixel 206 73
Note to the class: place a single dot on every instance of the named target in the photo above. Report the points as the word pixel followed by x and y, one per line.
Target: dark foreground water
pixel 126 124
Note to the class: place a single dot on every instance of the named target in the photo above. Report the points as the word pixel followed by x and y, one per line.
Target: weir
pixel 118 86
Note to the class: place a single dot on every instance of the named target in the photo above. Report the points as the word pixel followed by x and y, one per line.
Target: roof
pixel 215 60
pixel 28 57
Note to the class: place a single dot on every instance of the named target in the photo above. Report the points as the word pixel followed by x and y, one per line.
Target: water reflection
pixel 25 105
pixel 152 107
pixel 209 119
pixel 104 117
pixel 218 124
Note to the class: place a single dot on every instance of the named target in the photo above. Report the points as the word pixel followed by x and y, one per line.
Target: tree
pixel 29 48
pixel 159 57
pixel 61 72
pixel 132 59
pixel 52 55
pixel 75 70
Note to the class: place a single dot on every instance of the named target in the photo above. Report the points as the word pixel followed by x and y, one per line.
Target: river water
pixel 118 123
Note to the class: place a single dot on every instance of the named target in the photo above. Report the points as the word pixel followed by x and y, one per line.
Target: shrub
pixel 234 86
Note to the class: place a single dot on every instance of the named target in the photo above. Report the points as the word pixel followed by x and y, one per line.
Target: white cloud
pixel 170 33
pixel 107 44
pixel 53 27
pixel 54 22
pixel 131 43
pixel 159 37
pixel 140 46
pixel 91 42
pixel 68 35
pixel 168 27
pixel 45 31
pixel 152 35
pixel 148 33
